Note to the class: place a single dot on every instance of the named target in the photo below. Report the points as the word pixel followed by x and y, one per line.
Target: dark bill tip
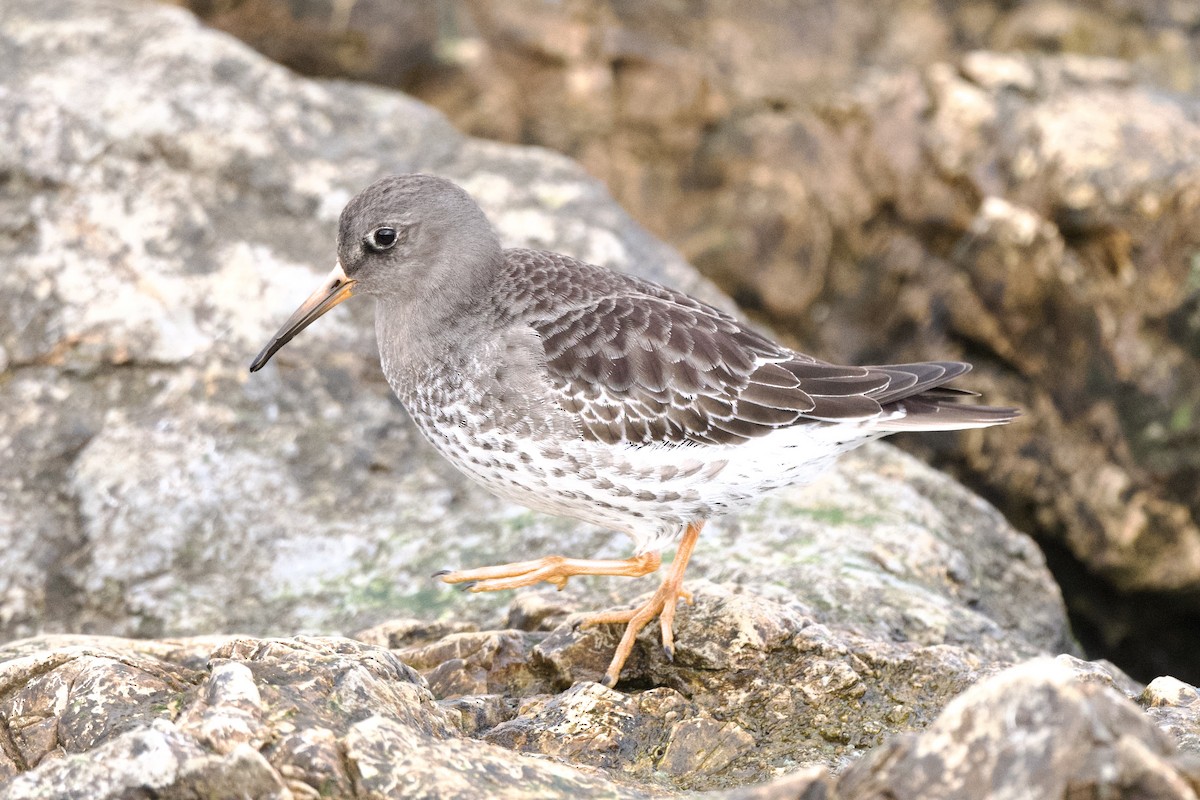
pixel 265 354
pixel 334 290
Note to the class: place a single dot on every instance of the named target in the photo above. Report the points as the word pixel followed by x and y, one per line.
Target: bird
pixel 584 392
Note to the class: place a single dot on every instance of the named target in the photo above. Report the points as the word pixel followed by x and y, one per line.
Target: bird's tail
pixel 937 410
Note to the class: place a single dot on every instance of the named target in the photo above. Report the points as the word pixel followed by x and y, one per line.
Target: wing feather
pixel 638 363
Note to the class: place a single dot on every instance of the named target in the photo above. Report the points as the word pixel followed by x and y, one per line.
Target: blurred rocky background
pixel 1015 183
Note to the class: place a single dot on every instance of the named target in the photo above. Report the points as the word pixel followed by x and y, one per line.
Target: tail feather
pixel 914 380
pixel 934 412
pixel 918 399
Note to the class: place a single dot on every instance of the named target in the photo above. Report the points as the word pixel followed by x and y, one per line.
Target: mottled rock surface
pixel 266 719
pixel 102 717
pixel 1034 731
pixel 895 179
pixel 151 238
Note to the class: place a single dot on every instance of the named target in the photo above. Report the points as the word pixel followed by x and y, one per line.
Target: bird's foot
pixel 551 569
pixel 661 604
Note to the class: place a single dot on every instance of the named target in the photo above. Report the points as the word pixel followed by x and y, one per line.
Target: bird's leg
pixel 551 569
pixel 661 604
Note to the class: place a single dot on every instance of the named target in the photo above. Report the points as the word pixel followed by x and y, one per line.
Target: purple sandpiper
pixel 576 390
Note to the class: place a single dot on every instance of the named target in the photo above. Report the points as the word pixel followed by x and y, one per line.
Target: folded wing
pixel 642 364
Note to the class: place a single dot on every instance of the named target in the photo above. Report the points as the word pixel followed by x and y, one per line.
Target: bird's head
pixel 404 239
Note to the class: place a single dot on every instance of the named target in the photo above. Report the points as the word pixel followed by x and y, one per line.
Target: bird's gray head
pixel 408 240
pixel 412 235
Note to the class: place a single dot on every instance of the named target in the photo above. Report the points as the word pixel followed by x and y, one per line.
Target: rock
pixel 814 783
pixel 1175 707
pixel 268 719
pixel 487 662
pixel 755 687
pixel 639 734
pixel 157 759
pixel 275 718
pixel 401 633
pixel 537 612
pixel 1033 731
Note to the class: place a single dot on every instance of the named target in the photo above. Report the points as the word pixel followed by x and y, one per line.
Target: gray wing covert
pixel 642 369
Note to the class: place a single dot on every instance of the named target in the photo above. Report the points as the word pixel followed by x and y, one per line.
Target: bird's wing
pixel 641 368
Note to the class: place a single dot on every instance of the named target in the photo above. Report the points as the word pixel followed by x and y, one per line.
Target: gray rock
pixel 156 759
pixel 269 719
pixel 755 688
pixel 1034 731
pixel 1175 707
pixel 101 717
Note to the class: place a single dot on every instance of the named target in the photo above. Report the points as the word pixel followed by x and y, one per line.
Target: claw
pixel 661 604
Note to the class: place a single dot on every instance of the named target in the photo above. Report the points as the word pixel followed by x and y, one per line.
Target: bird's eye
pixel 382 238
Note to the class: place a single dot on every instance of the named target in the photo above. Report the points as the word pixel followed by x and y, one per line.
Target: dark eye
pixel 382 238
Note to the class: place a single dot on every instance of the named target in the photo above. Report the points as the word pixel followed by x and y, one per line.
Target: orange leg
pixel 661 604
pixel 551 569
